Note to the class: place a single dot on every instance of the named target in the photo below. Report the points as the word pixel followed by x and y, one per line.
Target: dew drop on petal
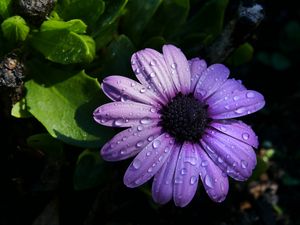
pixel 156 143
pixel 149 170
pixel 240 110
pixel 193 180
pixel 139 144
pixel 245 136
pixel 183 171
pixel 208 181
pixel 118 122
pixel 244 164
pixel 220 160
pixel 235 98
pixel 178 180
pixel 250 94
pixel 173 65
pixel 191 160
pixel 150 138
pixel 143 90
pixel 204 163
pixel 139 128
pixel 136 164
pixel 145 120
pixel 148 153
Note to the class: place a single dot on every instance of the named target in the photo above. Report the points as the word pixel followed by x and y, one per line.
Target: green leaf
pixel 169 18
pixel 75 25
pixel 19 109
pixel 90 171
pixel 5 8
pixel 15 29
pixel 117 57
pixel 209 20
pixel 51 146
pixel 64 101
pixel 88 10
pixel 107 25
pixel 64 46
pixel 138 15
pixel 241 55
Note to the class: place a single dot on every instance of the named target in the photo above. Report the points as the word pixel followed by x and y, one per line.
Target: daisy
pixel 180 126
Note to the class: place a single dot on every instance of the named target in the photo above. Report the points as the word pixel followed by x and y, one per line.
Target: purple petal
pixel 225 91
pixel 186 175
pixel 129 142
pixel 148 161
pixel 162 187
pixel 151 70
pixel 214 180
pixel 126 114
pixel 119 88
pixel 236 129
pixel 234 157
pixel 197 66
pixel 178 67
pixel 210 81
pixel 238 104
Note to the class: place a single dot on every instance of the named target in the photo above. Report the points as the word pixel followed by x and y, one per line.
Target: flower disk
pixel 185 118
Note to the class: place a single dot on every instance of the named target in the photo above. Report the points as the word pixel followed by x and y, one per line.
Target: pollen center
pixel 184 118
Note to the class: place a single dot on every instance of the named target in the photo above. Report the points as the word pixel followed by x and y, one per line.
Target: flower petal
pixel 225 91
pixel 238 104
pixel 186 175
pixel 119 88
pixel 162 187
pixel 234 157
pixel 129 142
pixel 197 66
pixel 148 161
pixel 210 81
pixel 151 70
pixel 214 180
pixel 236 129
pixel 178 67
pixel 126 114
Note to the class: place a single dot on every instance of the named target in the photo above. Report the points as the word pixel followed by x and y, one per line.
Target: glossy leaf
pixel 5 8
pixel 64 101
pixel 88 10
pixel 137 17
pixel 117 56
pixel 75 25
pixel 64 46
pixel 19 109
pixel 15 29
pixel 89 170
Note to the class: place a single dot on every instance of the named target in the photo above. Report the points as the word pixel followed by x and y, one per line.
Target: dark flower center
pixel 185 118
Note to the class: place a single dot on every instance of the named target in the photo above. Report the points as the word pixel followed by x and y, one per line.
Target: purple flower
pixel 180 124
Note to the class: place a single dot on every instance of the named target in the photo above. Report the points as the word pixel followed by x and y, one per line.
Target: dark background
pixel 272 198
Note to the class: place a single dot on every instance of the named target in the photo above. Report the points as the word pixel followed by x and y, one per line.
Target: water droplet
pixel 153 110
pixel 234 164
pixel 156 143
pixel 152 63
pixel 150 138
pixel 152 74
pixel 143 90
pixel 122 152
pixel 245 136
pixel 201 92
pixel 235 98
pixel 145 120
pixel 132 84
pixel 193 180
pixel 226 98
pixel 173 65
pixel 250 94
pixel 136 164
pixel 160 158
pixel 190 160
pixel 124 98
pixel 178 180
pixel 227 107
pixel 148 153
pixel 183 171
pixel 208 181
pixel 139 127
pixel 204 163
pixel 118 122
pixel 244 164
pixel 124 138
pixel 222 186
pixel 150 170
pixel 220 160
pixel 240 110
pixel 223 128
pixel 137 71
pixel 139 144
pixel 167 150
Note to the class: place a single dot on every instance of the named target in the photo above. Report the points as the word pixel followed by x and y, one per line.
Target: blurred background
pixel 52 181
